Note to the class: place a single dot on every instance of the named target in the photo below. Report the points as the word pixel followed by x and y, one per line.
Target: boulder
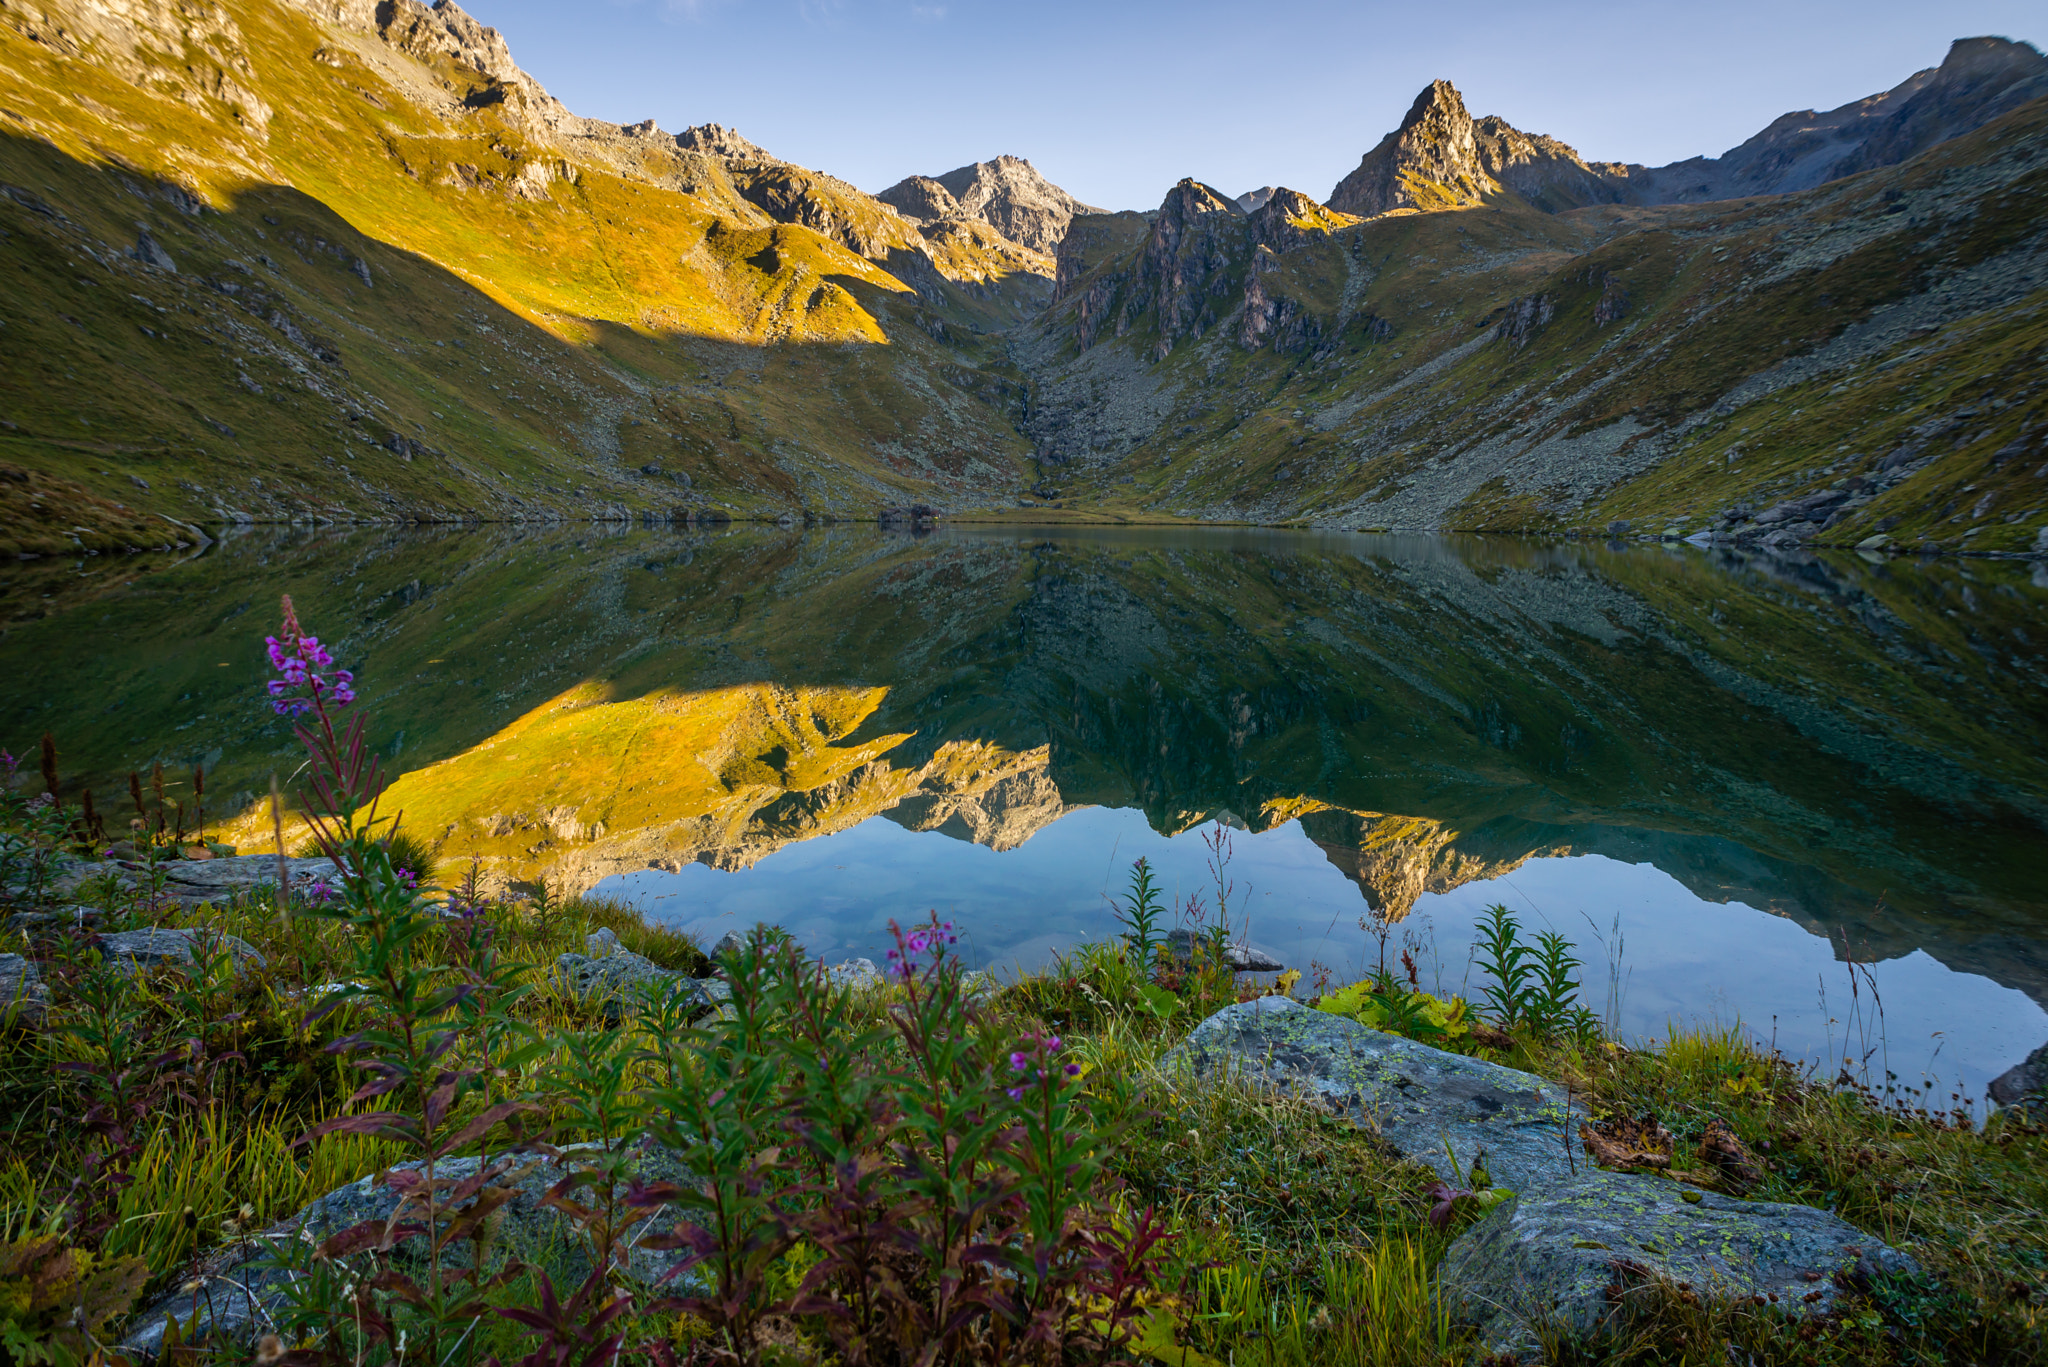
pixel 2024 1086
pixel 1557 1262
pixel 614 973
pixel 1435 1107
pixel 1243 958
pixel 237 1294
pixel 147 951
pixel 21 985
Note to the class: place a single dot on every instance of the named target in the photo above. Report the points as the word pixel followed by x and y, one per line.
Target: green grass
pixel 1299 1239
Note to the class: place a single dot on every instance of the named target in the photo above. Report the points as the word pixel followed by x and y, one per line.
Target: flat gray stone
pixel 1243 958
pixel 1556 1261
pixel 237 1294
pixel 1421 1100
pixel 21 985
pixel 146 951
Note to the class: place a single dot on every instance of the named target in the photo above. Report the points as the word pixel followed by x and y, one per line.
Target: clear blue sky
pixel 1116 101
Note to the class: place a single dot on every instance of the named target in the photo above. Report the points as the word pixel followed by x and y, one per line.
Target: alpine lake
pixel 1804 797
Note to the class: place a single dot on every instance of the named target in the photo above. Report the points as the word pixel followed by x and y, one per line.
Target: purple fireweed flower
pixel 9 763
pixel 296 657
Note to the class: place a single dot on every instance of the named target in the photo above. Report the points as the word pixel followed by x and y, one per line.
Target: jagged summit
pixel 1008 194
pixel 1430 162
pixel 1252 200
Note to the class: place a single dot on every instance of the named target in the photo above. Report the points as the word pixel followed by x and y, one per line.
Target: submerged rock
pixel 1436 1107
pixel 1559 1261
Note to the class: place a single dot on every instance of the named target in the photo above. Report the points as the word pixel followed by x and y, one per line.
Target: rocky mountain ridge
pixel 442 294
pixel 1441 157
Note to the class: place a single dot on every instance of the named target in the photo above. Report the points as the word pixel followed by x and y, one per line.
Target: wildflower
pixel 297 658
pixel 9 763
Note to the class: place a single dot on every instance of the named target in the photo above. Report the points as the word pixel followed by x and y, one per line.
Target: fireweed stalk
pixel 412 1018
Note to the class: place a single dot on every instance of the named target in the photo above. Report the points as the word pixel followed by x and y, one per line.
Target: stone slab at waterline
pixel 1548 1260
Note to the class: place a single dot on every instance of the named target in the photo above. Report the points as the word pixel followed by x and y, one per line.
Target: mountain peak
pixel 1008 194
pixel 1430 162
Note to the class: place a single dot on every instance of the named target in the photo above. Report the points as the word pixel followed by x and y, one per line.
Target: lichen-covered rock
pixel 146 951
pixel 1556 1262
pixel 22 992
pixel 1435 1107
pixel 238 1293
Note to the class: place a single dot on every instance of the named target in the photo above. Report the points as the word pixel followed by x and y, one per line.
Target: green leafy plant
pixel 1388 1006
pixel 1140 912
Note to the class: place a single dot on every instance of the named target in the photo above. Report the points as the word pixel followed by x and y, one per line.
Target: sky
pixel 1115 100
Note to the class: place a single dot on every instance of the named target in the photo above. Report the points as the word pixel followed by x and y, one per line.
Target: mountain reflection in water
pixel 1854 747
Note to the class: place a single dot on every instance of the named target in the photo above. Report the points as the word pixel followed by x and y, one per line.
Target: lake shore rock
pixel 1421 1100
pixel 1556 1254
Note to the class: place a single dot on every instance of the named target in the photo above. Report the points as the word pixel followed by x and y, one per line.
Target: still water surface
pixel 1724 776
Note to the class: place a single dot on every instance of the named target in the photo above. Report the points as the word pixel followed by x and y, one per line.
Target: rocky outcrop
pixel 923 199
pixel 1008 194
pixel 716 140
pixel 1563 1249
pixel 1430 162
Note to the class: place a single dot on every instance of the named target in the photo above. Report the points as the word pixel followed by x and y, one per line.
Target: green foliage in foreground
pixel 152 1120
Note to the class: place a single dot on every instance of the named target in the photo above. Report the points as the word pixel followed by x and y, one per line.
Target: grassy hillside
pixel 362 304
